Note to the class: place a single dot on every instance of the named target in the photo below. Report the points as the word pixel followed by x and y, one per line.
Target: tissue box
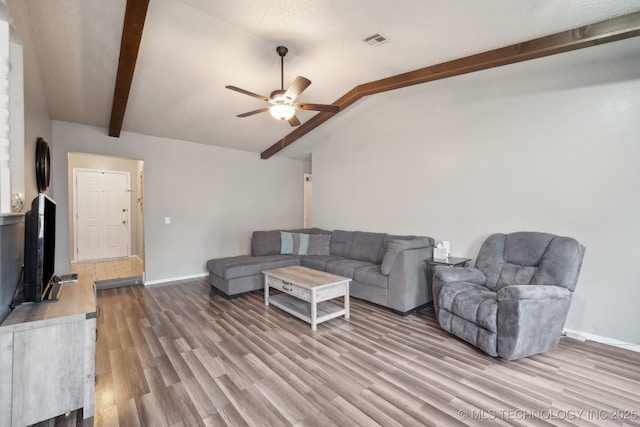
pixel 440 253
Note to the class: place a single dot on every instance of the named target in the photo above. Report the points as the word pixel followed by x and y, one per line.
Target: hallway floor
pixel 109 269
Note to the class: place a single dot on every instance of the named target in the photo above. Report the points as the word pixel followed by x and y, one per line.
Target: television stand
pixel 52 294
pixel 47 358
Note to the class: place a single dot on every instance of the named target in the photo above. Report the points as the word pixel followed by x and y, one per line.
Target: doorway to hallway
pixel 106 218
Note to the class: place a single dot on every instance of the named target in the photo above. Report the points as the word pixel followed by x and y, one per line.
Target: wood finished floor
pixel 109 269
pixel 178 355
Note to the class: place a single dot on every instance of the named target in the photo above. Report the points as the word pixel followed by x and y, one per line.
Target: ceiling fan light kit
pixel 283 105
pixel 282 111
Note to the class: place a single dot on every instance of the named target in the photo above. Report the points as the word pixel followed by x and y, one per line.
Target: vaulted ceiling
pixel 191 49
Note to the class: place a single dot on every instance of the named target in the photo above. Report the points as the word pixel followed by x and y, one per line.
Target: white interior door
pixel 102 214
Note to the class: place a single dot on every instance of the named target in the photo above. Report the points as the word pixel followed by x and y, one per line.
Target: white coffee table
pixel 306 293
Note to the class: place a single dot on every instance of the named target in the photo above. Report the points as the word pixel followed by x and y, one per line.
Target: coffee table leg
pixel 314 311
pixel 346 300
pixel 266 290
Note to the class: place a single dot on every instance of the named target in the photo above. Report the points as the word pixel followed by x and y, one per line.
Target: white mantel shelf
pixel 11 218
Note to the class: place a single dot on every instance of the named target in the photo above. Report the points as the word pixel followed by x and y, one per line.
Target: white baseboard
pixel 175 279
pixel 584 336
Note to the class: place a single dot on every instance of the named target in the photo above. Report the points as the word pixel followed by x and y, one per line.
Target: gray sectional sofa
pixel 385 269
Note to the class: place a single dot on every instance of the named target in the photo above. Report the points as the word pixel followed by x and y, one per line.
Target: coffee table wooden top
pixel 305 277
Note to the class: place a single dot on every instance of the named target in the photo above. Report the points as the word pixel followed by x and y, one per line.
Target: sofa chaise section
pixel 234 276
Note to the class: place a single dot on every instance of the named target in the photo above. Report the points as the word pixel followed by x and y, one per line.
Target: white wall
pixel 37 120
pixel 215 197
pixel 16 94
pixel 550 145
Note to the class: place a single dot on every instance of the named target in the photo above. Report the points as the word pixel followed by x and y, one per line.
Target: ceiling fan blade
pixel 246 92
pixel 251 113
pixel 317 107
pixel 293 121
pixel 297 87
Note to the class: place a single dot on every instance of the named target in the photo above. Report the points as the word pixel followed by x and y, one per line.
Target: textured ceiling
pixel 191 49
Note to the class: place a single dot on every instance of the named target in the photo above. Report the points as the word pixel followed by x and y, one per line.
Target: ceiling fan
pixel 283 106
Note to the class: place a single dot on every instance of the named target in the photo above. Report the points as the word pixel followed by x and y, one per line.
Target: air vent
pixel 376 39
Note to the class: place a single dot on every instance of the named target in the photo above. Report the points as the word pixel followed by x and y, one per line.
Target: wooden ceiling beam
pixel 622 27
pixel 134 17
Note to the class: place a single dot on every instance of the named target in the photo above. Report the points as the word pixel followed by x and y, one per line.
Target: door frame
pixel 307 199
pixel 74 216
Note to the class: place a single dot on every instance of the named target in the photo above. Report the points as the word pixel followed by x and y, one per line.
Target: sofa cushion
pixel 317 262
pixel 490 259
pixel 469 331
pixel 526 248
pixel 345 267
pixel 367 247
pixel 368 293
pixel 471 302
pixel 561 263
pixel 341 242
pixel 513 274
pixel 246 265
pixel 371 275
pixel 265 243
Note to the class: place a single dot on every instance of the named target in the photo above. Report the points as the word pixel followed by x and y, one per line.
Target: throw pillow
pixel 304 244
pixel 319 244
pixel 286 243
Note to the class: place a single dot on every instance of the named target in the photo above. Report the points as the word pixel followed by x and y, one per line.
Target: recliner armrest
pixel 530 318
pixel 532 292
pixel 448 274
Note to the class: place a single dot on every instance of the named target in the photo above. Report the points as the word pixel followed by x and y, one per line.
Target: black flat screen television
pixel 39 250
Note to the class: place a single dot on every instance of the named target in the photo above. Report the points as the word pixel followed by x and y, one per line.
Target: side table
pixel 451 261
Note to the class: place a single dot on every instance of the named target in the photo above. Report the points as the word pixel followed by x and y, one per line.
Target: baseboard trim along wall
pixel 174 279
pixel 584 336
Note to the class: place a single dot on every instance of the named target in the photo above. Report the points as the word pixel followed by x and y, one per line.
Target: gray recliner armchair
pixel 515 301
